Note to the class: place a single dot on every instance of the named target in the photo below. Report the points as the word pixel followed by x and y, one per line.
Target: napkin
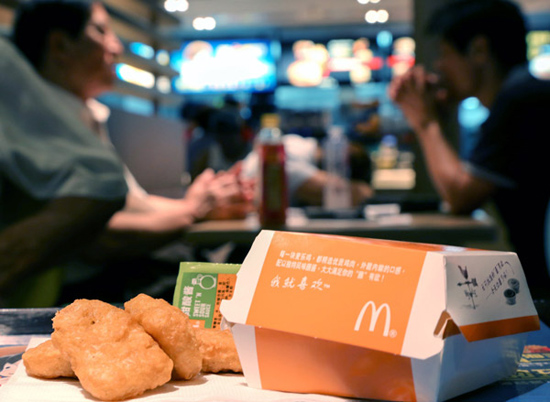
pixel 210 387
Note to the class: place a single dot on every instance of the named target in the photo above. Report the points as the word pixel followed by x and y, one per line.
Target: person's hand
pixel 233 196
pixel 200 196
pixel 247 185
pixel 417 94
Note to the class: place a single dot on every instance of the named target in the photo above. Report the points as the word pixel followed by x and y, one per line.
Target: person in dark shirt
pixel 483 54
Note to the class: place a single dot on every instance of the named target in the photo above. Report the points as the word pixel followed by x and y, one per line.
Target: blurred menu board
pixel 225 66
pixel 350 60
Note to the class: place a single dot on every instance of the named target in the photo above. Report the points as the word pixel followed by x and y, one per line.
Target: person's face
pixel 94 53
pixel 457 72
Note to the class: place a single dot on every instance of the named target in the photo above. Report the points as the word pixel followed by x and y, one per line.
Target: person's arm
pixel 133 233
pixel 58 230
pixel 150 223
pixel 418 98
pixel 310 192
pixel 462 191
pixel 224 195
pixel 234 194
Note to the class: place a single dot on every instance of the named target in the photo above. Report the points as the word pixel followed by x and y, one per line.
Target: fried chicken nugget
pixel 218 350
pixel 111 354
pixel 171 328
pixel 46 361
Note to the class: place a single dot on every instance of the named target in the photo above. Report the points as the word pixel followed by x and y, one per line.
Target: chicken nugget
pixel 46 361
pixel 218 350
pixel 111 354
pixel 171 328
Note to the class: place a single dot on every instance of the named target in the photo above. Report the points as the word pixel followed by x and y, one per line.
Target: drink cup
pixel 510 296
pixel 514 284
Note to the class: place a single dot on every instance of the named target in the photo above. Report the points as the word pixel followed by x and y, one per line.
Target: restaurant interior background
pixel 319 62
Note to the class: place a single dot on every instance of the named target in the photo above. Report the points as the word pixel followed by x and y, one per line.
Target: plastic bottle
pixel 337 191
pixel 388 152
pixel 273 197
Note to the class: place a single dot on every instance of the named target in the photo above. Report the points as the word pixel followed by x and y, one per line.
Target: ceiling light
pixel 374 16
pixel 371 16
pixel 204 23
pixel 368 1
pixel 173 6
pixel 209 23
pixel 383 16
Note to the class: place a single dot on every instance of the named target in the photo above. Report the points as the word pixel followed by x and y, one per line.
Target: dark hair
pixel 35 20
pixel 224 122
pixel 500 21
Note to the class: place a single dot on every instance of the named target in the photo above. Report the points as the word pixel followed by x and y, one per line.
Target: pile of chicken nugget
pixel 118 354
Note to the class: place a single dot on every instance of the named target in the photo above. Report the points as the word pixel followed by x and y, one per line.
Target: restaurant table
pixel 531 382
pixel 422 227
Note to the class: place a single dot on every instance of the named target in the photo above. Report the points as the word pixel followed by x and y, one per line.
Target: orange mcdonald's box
pixel 377 319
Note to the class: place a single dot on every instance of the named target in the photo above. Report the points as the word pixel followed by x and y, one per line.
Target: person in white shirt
pixel 59 185
pixel 306 178
pixel 72 45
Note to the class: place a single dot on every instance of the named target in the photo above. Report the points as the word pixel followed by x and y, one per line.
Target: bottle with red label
pixel 273 197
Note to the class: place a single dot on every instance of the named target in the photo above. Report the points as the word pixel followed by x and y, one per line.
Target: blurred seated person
pixel 195 117
pixel 482 53
pixel 221 145
pixel 59 185
pixel 72 46
pixel 305 177
pixel 220 137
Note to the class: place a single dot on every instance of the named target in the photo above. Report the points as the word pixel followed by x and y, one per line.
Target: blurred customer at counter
pixel 72 46
pixel 483 55
pixel 59 185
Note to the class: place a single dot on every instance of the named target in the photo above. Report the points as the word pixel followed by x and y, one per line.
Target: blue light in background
pixel 471 114
pixel 225 66
pixel 141 49
pixel 384 39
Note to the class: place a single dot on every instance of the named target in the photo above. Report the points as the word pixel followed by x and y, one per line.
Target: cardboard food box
pixel 200 289
pixel 377 319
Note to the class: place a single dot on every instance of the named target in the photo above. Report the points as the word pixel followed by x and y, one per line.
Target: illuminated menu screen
pixel 225 66
pixel 306 63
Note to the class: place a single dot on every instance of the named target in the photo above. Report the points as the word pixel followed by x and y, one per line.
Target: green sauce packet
pixel 200 288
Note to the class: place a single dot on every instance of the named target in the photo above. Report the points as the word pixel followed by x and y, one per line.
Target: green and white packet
pixel 200 288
